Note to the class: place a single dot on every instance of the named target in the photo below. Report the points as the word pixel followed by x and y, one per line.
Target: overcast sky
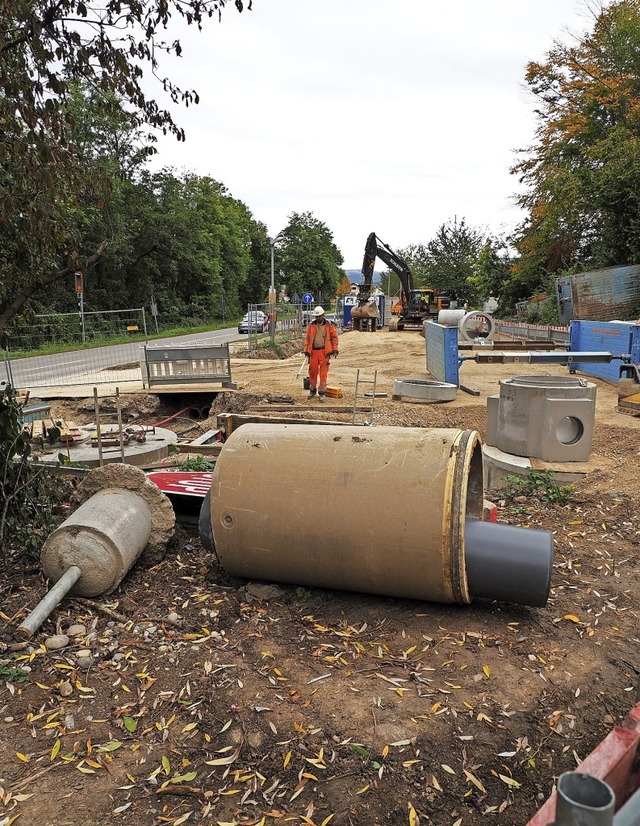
pixel 385 116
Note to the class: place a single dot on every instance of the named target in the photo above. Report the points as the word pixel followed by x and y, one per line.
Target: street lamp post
pixel 272 291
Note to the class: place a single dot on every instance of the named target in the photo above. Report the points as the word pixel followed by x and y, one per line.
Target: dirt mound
pixel 279 351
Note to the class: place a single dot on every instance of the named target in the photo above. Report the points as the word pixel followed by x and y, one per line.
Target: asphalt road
pixel 69 367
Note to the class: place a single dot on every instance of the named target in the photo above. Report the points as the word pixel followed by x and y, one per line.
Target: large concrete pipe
pixel 382 511
pixel 471 325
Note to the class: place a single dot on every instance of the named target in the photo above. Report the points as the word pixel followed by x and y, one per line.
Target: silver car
pixel 254 322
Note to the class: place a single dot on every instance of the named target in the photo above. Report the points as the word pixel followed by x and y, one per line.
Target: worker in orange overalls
pixel 320 345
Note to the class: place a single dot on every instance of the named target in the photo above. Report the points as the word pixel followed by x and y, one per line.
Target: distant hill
pixel 355 276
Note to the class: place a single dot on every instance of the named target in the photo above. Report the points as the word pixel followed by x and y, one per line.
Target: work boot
pixel 321 397
pixel 312 394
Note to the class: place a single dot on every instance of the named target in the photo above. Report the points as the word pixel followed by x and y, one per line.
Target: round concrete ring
pixel 435 391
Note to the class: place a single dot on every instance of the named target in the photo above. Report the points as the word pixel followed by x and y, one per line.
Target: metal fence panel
pixel 106 364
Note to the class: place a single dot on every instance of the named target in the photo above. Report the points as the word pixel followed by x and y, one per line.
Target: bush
pixel 29 495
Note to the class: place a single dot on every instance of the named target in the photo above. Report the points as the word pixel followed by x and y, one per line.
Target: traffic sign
pixel 307 298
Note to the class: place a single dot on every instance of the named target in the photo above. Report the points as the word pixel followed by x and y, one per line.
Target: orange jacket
pixel 330 339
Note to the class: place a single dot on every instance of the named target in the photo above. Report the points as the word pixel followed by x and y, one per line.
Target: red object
pixel 614 760
pixel 182 483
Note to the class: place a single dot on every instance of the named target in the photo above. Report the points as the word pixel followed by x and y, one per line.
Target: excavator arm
pixel 375 248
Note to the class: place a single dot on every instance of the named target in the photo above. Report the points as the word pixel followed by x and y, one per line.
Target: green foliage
pixel 308 257
pixel 540 484
pixel 582 175
pixel 196 463
pixel 28 494
pixel 464 263
pixel 12 673
pixel 64 147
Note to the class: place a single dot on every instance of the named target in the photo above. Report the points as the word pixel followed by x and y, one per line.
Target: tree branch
pixel 25 294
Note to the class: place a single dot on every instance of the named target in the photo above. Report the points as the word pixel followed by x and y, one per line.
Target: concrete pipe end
pixel 421 390
pixel 128 477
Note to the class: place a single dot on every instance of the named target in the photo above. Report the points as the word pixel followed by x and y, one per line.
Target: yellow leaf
pixel 166 764
pixel 435 784
pixel 447 768
pixel 22 757
pixel 413 816
pixel 327 819
pixel 509 781
pixel 385 751
pixel 189 727
pixel 85 770
pixel 486 670
pixel 286 760
pixel 571 618
pixel 364 789
pixel 475 781
pixel 55 749
pixel 223 761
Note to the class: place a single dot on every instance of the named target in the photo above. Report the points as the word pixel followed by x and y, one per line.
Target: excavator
pixel 416 304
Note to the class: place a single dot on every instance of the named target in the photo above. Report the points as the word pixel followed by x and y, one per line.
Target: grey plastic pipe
pixel 303 504
pixel 583 800
pixel 508 563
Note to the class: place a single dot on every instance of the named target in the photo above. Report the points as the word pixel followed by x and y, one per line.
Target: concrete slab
pixel 153 449
pixel 498 464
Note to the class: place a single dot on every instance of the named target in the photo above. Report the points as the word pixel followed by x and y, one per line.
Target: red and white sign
pixel 182 483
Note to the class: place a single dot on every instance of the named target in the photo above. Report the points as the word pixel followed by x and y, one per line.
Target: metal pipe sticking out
pixel 30 625
pixel 583 800
pixel 276 490
pixel 194 413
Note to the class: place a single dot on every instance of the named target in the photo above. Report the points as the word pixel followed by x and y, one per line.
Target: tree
pixel 583 172
pixel 451 259
pixel 46 49
pixel 308 256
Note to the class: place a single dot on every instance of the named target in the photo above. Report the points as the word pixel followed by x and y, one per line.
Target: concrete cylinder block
pixel 545 417
pixel 451 318
pixel 103 538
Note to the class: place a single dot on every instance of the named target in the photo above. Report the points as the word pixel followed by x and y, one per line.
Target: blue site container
pixel 616 337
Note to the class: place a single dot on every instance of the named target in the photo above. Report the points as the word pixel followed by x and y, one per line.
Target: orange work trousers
pixel 318 366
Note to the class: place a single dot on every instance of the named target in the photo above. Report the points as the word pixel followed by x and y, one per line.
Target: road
pixel 73 366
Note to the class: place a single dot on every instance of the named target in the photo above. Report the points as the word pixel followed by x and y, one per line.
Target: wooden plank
pixel 228 422
pixel 263 408
pixel 203 450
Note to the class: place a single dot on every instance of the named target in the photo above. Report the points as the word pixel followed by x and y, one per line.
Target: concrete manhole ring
pixel 423 390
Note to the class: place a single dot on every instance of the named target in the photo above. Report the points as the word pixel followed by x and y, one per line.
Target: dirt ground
pixel 207 699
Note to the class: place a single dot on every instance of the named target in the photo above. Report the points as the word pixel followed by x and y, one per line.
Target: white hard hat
pixel 318 311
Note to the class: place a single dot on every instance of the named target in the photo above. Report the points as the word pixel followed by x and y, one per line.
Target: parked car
pixel 254 322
